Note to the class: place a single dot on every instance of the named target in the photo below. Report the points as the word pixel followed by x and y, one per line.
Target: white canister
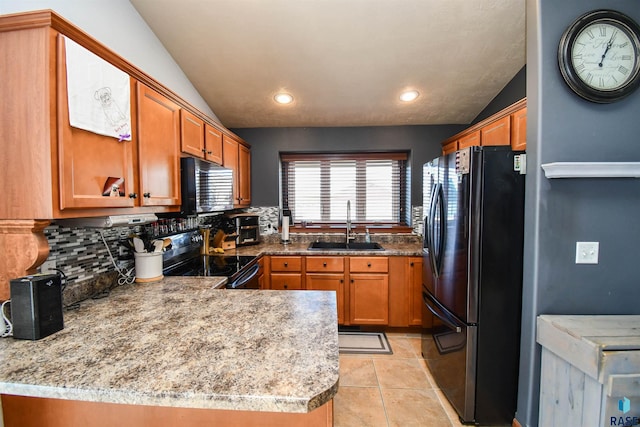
pixel 148 266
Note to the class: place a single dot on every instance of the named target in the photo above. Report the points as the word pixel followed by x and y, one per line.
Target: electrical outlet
pixel 48 266
pixel 587 252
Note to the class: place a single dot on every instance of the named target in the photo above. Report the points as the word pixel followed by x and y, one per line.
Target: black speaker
pixel 36 306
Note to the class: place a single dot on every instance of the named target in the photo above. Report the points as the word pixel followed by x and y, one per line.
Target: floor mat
pixel 363 343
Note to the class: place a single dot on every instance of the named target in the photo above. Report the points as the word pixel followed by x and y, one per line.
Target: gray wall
pixel 512 92
pixel 266 143
pixel 560 212
pixel 117 25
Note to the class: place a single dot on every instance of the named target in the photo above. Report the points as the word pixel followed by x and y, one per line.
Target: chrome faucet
pixel 349 237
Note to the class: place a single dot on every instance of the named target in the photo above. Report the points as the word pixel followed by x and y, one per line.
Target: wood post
pixel 23 247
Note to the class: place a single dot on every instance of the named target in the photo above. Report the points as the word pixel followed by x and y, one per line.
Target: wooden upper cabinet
pixel 213 144
pixel 470 140
pixel 237 157
pixel 506 127
pixel 89 163
pixel 158 148
pixel 244 175
pixel 191 134
pixel 449 147
pixel 519 130
pixel 497 132
pixel 199 138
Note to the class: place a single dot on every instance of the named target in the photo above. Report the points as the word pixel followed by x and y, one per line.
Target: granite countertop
pixel 270 247
pixel 181 342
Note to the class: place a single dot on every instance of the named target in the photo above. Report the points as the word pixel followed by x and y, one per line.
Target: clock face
pixel 604 55
pixel 599 56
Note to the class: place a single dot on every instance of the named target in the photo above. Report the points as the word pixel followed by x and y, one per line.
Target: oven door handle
pixel 242 280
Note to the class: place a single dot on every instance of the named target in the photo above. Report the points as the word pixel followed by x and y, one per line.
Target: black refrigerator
pixel 472 279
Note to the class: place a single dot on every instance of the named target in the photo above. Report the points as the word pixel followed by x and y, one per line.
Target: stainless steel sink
pixel 342 246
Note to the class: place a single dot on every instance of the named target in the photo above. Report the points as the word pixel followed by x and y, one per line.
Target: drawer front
pixel 369 264
pixel 286 281
pixel 286 263
pixel 334 264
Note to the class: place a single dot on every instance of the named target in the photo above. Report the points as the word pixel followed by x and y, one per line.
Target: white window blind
pixel 316 187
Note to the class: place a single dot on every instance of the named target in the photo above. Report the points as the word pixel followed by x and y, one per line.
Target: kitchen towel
pixel 99 94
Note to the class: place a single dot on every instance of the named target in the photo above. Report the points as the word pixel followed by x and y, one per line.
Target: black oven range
pixel 184 259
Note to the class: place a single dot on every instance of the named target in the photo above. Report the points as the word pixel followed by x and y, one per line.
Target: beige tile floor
pixel 391 390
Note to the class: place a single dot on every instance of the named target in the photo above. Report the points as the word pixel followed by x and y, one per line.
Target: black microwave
pixel 206 186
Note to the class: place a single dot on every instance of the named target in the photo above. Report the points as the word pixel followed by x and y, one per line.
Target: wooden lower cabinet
pixel 414 279
pixel 369 299
pixel 328 282
pixel 20 411
pixel 381 290
pixel 286 281
pixel 326 273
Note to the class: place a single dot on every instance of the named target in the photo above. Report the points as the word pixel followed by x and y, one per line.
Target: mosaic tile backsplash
pixel 82 255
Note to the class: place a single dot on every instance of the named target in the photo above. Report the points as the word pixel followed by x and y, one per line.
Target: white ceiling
pixel 344 61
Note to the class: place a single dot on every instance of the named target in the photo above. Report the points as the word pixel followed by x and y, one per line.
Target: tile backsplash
pixel 83 257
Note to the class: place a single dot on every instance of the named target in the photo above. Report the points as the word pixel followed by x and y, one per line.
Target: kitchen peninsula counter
pixel 182 343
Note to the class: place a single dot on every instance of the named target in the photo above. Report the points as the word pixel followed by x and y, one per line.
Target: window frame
pixel 404 210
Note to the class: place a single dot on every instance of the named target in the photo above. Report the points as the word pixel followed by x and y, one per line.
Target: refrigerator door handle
pixel 436 308
pixel 437 246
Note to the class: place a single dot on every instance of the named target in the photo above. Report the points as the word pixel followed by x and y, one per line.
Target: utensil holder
pixel 148 266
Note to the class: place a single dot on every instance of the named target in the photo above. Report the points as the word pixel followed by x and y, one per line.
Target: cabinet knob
pixel 324 264
pixel 147 195
pixel 133 195
pixel 286 286
pixel 411 264
pixel 209 152
pixel 368 264
pixel 351 280
pixel 204 151
pixel 286 264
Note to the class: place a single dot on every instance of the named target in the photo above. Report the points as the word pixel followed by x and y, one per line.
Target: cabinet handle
pixel 133 195
pixel 147 195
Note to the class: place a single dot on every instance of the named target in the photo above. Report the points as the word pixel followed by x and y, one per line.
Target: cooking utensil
pixel 158 245
pixel 138 245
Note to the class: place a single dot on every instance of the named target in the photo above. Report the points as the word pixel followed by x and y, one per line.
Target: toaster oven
pixel 247 227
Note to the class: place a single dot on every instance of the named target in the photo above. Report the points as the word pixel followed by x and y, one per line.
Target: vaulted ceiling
pixel 344 61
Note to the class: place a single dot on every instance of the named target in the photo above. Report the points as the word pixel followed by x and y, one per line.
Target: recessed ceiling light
pixel 409 95
pixel 283 98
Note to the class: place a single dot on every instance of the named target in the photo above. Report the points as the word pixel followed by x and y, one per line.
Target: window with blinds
pixel 316 187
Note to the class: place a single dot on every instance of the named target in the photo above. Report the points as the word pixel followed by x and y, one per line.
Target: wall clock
pixel 599 56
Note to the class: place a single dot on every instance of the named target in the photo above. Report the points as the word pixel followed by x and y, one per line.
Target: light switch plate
pixel 587 252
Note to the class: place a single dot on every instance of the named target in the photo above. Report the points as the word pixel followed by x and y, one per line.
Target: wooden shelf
pixel 592 170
